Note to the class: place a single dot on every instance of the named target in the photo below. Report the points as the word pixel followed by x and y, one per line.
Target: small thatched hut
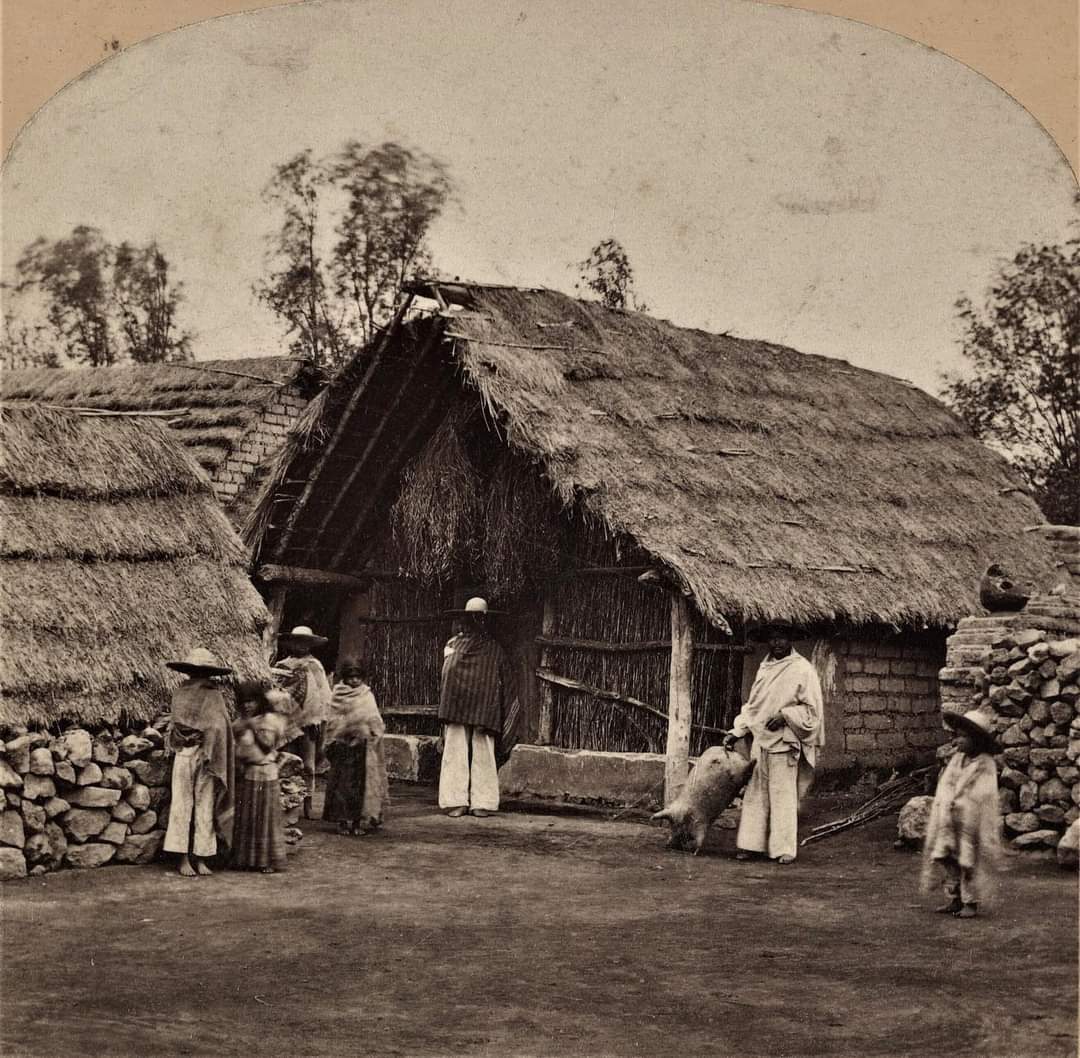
pixel 115 557
pixel 639 496
pixel 231 415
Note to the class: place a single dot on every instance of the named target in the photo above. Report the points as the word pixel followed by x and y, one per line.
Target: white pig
pixel 713 784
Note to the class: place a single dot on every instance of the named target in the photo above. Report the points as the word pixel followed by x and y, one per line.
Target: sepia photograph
pixel 540 529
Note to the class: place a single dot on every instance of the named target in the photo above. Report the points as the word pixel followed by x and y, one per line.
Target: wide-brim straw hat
pixel 976 724
pixel 476 605
pixel 303 634
pixel 199 662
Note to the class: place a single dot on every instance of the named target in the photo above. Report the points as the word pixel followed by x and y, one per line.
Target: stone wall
pixel 77 800
pixel 1023 668
pixel 259 444
pixel 887 693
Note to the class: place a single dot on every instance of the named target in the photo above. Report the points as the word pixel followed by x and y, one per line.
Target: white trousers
pixel 192 796
pixel 770 809
pixel 468 777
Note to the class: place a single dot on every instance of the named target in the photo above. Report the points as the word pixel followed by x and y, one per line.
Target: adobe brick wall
pixel 887 695
pixel 259 444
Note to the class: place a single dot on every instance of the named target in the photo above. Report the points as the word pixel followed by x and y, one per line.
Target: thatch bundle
pixel 116 557
pixel 435 519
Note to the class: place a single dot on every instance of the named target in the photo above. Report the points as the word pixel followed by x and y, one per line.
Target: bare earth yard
pixel 538 935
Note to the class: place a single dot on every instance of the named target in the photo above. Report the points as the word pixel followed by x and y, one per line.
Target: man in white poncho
pixel 785 715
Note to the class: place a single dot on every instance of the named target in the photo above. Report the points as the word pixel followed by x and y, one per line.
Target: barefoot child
pixel 201 809
pixel 963 839
pixel 259 833
pixel 356 788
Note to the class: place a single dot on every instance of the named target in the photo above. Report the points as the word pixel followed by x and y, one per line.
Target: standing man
pixel 476 705
pixel 310 690
pixel 785 715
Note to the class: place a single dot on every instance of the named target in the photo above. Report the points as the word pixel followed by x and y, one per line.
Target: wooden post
pixel 277 612
pixel 677 765
pixel 547 692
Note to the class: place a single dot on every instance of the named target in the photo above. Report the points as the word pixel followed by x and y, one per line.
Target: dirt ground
pixel 530 934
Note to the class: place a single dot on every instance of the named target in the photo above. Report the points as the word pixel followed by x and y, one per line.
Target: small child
pixel 259 833
pixel 356 788
pixel 201 809
pixel 963 835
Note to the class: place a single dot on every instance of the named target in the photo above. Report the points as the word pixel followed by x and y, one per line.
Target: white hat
pixel 305 633
pixel 477 605
pixel 199 662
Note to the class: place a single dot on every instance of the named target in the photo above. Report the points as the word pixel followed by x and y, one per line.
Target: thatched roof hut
pixel 116 556
pixel 768 482
pixel 231 415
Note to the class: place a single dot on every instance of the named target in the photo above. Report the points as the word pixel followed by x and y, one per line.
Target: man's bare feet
pixel 201 867
pixel 185 868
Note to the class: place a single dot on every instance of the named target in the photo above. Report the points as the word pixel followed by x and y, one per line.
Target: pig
pixel 713 784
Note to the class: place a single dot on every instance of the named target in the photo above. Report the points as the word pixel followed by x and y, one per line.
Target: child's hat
pixel 199 662
pixel 975 723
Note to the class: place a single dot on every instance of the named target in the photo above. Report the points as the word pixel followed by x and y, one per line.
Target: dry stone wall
pixel 81 800
pixel 1024 669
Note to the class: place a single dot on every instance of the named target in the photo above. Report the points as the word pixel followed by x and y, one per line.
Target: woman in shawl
pixel 356 788
pixel 963 835
pixel 201 809
pixel 259 833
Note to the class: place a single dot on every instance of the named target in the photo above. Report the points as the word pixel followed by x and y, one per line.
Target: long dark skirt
pixel 345 784
pixel 259 831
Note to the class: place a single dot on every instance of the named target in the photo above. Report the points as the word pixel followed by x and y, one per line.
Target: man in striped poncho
pixel 476 706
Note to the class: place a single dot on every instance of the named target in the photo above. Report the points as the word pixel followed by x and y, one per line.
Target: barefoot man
pixel 201 809
pixel 784 714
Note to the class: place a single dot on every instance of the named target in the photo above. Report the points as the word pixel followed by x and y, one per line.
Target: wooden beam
pixel 277 612
pixel 274 574
pixel 421 619
pixel 420 709
pixel 339 429
pixel 359 464
pixel 614 696
pixel 547 697
pixel 644 646
pixel 372 489
pixel 677 764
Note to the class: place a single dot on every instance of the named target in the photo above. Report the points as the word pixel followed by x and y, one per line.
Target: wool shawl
pixel 965 820
pixel 257 741
pixel 355 721
pixel 787 687
pixel 475 682
pixel 199 705
pixel 316 693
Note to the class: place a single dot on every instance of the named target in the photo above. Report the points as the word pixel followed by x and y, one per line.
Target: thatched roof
pixel 770 483
pixel 220 399
pixel 115 557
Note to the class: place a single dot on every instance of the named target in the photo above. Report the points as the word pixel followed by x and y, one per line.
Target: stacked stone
pixel 1032 686
pixel 81 799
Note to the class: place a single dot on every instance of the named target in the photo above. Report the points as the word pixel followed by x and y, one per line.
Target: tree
pixel 354 228
pixel 607 273
pixel 1023 392
pixel 24 344
pixel 102 303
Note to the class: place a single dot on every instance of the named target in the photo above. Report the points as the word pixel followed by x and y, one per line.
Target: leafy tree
pixel 103 304
pixel 146 304
pixel 1023 391
pixel 354 228
pixel 608 274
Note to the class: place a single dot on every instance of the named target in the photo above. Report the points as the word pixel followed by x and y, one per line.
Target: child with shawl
pixel 963 835
pixel 356 788
pixel 310 690
pixel 201 809
pixel 259 833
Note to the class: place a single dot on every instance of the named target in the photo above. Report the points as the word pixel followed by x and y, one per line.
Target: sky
pixel 772 173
